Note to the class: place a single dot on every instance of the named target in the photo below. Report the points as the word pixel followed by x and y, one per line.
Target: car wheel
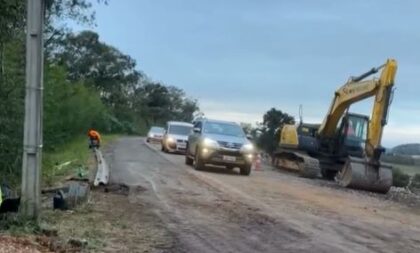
pixel 198 163
pixel 188 159
pixel 246 170
pixel 148 140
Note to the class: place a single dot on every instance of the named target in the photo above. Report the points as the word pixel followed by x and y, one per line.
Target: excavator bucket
pixel 359 174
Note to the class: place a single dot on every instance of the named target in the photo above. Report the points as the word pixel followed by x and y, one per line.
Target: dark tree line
pixel 88 83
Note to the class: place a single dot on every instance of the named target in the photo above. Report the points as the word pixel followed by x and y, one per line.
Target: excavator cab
pixel 352 134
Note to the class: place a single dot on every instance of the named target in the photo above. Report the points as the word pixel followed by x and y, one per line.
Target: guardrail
pixel 102 172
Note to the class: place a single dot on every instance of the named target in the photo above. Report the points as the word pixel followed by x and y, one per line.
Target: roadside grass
pixel 399 178
pixel 64 161
pixel 407 169
pixel 16 225
pixel 70 158
pixel 82 223
pixel 415 183
pixel 405 175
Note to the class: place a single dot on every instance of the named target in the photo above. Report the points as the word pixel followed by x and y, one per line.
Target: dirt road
pixel 269 211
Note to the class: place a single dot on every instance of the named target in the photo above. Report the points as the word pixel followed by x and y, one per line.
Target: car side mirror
pixel 196 130
pixel 249 137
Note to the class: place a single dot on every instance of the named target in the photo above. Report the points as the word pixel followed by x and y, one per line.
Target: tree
pixel 273 122
pixel 247 127
pixel 88 83
pixel 157 103
pixel 79 11
pixel 110 71
pixel 12 75
pixel 188 108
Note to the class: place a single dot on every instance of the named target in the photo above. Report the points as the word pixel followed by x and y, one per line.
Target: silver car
pixel 176 136
pixel 219 143
pixel 155 134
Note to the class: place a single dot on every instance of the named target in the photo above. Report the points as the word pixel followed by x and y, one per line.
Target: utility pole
pixel 32 143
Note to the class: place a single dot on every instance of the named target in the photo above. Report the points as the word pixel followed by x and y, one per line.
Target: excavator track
pixel 309 168
pixel 305 165
pixel 359 174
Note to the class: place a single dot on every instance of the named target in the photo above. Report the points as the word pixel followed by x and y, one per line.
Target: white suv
pixel 176 136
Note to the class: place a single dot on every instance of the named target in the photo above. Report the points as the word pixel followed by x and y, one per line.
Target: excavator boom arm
pixel 381 107
pixel 356 90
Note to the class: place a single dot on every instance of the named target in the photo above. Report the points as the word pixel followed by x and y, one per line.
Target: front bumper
pixel 225 157
pixel 154 139
pixel 178 146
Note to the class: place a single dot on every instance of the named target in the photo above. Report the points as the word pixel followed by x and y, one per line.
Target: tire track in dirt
pixel 340 221
pixel 203 218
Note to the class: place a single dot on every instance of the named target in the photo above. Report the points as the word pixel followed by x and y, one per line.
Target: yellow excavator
pixel 346 146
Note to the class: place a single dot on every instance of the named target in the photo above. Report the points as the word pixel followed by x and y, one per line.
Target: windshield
pixel 180 130
pixel 223 129
pixel 158 130
pixel 356 132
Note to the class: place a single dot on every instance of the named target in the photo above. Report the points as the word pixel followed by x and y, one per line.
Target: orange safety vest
pixel 94 135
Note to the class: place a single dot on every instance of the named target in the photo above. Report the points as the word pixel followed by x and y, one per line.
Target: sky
pixel 240 58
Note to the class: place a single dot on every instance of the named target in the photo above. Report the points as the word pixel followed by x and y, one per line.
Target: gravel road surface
pixel 269 211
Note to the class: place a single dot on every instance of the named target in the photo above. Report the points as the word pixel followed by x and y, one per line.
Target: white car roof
pixel 221 121
pixel 179 123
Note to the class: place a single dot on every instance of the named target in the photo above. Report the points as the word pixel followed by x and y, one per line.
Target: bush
pixel 70 109
pixel 400 179
pixel 415 182
pixel 398 159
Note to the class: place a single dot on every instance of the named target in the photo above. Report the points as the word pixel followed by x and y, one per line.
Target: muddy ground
pixel 169 207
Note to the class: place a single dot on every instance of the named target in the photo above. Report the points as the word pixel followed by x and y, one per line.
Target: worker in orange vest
pixel 94 138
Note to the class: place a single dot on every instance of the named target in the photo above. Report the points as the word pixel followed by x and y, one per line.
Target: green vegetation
pixel 405 166
pixel 88 83
pixel 408 169
pixel 415 183
pixel 16 225
pixel 400 179
pixel 68 158
pixel 398 159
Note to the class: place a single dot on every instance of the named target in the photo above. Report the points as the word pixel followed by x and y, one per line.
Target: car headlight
pixel 170 139
pixel 247 148
pixel 207 142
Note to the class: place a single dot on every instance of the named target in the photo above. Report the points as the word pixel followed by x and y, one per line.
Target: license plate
pixel 182 145
pixel 229 158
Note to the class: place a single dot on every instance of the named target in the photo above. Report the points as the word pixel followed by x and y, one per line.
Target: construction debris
pixel 71 196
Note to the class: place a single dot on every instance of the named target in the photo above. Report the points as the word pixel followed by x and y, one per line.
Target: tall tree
pixel 188 108
pixel 79 11
pixel 157 103
pixel 12 71
pixel 273 122
pixel 110 71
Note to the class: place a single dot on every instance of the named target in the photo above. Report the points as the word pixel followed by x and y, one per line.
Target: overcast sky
pixel 239 58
